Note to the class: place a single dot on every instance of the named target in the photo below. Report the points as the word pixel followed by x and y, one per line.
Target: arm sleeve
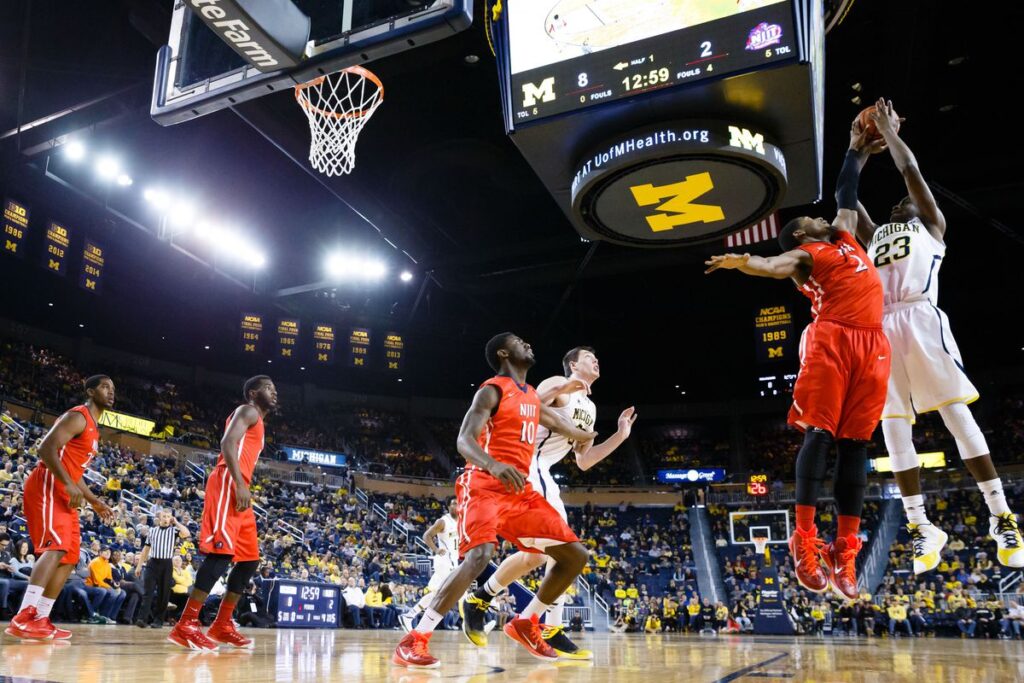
pixel 849 179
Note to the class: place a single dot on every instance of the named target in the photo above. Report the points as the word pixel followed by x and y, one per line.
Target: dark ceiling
pixel 438 177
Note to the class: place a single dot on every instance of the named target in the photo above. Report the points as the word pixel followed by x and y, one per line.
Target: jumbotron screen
pixel 569 54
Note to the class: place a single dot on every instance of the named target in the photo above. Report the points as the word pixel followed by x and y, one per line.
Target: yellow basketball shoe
pixel 1003 528
pixel 473 611
pixel 566 649
pixel 928 541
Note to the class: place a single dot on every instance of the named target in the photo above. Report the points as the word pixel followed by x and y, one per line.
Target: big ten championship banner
pixel 127 423
pixel 15 226
pixel 287 338
pixel 251 331
pixel 358 347
pixel 93 261
pixel 325 458
pixel 58 243
pixel 773 334
pixel 323 343
pixel 394 350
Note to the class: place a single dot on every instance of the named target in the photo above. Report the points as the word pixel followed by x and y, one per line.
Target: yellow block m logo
pixel 775 352
pixel 677 202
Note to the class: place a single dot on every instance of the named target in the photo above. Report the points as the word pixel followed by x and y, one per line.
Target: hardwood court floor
pixel 131 655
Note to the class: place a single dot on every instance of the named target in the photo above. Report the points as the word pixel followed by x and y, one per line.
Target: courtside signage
pixel 703 475
pixel 325 458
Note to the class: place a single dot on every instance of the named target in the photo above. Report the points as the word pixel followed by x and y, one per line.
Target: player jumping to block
pixel 844 368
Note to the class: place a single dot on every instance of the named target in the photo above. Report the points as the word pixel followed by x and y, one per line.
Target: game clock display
pixel 305 605
pixel 757 485
pixel 571 54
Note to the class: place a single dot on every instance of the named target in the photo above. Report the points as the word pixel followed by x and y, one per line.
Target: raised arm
pixel 70 425
pixel 794 264
pixel 555 390
pixel 587 456
pixel 887 121
pixel 243 418
pixel 862 148
pixel 485 402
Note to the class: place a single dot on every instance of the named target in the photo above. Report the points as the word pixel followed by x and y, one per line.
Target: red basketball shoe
pixel 841 558
pixel 189 635
pixel 227 634
pixel 413 652
pixel 27 625
pixel 527 633
pixel 58 633
pixel 806 549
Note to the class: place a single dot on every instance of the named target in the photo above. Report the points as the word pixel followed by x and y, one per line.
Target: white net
pixel 337 106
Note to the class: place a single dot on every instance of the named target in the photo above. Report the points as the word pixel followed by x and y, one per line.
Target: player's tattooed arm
pixel 243 418
pixel 70 425
pixel 485 402
pixel 794 264
pixel 557 423
pixel 430 534
pixel 887 121
pixel 589 455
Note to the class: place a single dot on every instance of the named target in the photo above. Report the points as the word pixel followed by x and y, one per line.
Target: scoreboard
pixel 298 604
pixel 757 485
pixel 572 54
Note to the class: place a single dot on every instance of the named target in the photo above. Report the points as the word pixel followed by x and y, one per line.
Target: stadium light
pixel 75 150
pixel 230 243
pixel 181 213
pixel 157 197
pixel 108 167
pixel 340 265
pixel 124 180
pixel 406 276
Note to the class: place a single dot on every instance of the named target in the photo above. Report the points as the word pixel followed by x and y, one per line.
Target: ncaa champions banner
pixel 58 243
pixel 358 347
pixel 15 226
pixel 252 330
pixel 287 338
pixel 394 350
pixel 323 342
pixel 93 260
pixel 773 334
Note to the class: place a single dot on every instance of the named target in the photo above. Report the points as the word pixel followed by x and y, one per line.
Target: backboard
pixel 198 73
pixel 772 524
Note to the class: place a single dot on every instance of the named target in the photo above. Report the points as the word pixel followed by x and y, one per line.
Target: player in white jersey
pixel 443 540
pixel 927 370
pixel 571 399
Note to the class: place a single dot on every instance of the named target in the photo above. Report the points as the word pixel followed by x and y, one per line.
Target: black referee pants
pixel 157 581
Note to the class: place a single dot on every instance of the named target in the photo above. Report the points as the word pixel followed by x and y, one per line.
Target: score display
pixel 757 485
pixel 575 54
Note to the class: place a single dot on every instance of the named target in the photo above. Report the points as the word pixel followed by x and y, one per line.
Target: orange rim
pixel 356 113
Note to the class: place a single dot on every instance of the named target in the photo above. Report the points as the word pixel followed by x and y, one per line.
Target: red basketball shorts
pixel 52 524
pixel 487 511
pixel 225 530
pixel 843 380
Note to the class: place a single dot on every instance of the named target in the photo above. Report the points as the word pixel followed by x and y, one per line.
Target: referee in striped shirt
pixel 159 550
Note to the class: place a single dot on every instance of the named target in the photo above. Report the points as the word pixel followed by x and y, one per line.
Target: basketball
pixel 869 126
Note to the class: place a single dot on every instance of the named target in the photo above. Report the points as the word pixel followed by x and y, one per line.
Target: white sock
pixel 423 604
pixel 536 607
pixel 994 498
pixel 429 621
pixel 914 506
pixel 554 615
pixel 44 606
pixel 32 595
pixel 492 586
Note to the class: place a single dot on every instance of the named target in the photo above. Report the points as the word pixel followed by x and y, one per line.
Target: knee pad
pixel 964 428
pixel 239 577
pixel 213 568
pixel 899 442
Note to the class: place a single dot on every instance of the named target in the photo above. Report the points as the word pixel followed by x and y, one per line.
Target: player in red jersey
pixel 844 373
pixel 228 531
pixel 494 499
pixel 53 493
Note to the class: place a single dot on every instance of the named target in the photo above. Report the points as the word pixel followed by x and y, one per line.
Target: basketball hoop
pixel 761 546
pixel 337 107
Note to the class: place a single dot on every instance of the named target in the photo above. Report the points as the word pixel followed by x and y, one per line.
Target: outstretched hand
pixel 726 261
pixel 885 117
pixel 859 141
